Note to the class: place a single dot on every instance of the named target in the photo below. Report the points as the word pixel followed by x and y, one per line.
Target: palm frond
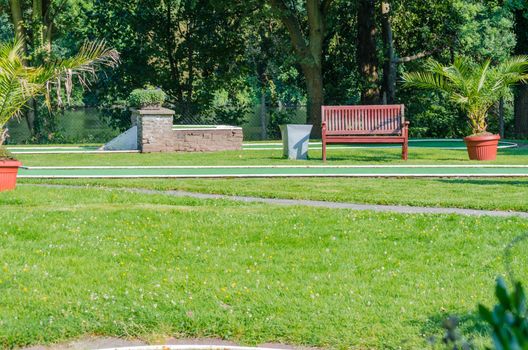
pixel 474 87
pixel 483 74
pixel 425 80
pixel 18 83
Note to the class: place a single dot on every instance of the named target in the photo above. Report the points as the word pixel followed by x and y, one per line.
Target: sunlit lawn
pixel 79 261
pixel 505 194
pixel 87 261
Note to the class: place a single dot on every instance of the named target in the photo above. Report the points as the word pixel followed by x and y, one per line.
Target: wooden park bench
pixel 365 124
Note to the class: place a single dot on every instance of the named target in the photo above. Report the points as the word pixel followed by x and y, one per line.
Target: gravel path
pixel 94 343
pixel 404 209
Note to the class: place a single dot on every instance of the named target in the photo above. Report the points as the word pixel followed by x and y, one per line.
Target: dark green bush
pixel 231 115
pixel 146 98
pixel 278 117
pixel 508 319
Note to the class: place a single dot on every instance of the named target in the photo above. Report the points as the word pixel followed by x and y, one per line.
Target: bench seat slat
pixel 366 139
pixel 364 132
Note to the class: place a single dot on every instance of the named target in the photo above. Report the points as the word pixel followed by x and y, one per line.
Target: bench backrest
pixel 363 120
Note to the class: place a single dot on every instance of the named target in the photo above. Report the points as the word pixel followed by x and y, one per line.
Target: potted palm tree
pixel 475 88
pixel 20 83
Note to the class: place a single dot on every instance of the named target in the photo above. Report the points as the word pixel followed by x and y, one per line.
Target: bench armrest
pixel 405 129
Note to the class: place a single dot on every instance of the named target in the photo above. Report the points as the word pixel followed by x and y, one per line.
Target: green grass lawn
pixel 89 261
pixel 488 193
pixel 273 157
pixel 485 193
pixel 505 194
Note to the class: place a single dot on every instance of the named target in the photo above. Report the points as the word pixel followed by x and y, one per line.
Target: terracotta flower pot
pixel 482 147
pixel 8 174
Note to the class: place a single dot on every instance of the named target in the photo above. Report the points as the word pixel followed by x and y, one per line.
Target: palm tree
pixel 474 87
pixel 19 83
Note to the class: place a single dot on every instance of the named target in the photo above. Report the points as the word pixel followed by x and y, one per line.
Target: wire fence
pixel 92 125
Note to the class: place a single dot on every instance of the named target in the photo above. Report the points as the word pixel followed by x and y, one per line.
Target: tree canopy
pixel 218 59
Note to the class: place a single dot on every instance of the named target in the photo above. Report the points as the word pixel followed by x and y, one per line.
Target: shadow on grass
pixel 518 151
pixel 488 182
pixel 470 326
pixel 342 158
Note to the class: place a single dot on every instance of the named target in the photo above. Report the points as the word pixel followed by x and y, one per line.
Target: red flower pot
pixel 8 174
pixel 482 147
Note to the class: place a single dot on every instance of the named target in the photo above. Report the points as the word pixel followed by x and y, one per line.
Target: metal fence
pixel 91 125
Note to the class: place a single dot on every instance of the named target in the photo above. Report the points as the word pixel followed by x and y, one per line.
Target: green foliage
pixel 146 98
pixel 6 28
pixel 277 118
pixel 194 49
pixel 486 30
pixel 4 153
pixel 19 83
pixel 432 115
pixel 117 116
pixel 474 87
pixel 190 49
pixel 508 319
pixel 236 115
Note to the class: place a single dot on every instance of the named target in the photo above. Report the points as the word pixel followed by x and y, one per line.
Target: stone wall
pixel 157 134
pixel 222 138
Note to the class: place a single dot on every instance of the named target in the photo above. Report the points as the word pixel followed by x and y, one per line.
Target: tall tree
pixel 367 54
pixel 18 23
pixel 521 92
pixel 193 49
pixel 391 57
pixel 388 87
pixel 307 41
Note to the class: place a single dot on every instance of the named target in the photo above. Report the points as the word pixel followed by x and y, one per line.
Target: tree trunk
pixel 18 22
pixel 367 54
pixel 170 48
pixel 37 24
pixel 314 87
pixel 521 92
pixel 388 87
pixel 47 22
pixel 263 124
pixel 313 69
pixel 521 110
pixel 309 51
pixel 30 116
pixel 501 117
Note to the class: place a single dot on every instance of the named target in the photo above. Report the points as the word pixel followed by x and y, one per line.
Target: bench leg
pixel 405 150
pixel 323 147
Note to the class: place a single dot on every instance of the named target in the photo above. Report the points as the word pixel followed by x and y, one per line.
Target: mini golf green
pixel 275 171
pixel 415 143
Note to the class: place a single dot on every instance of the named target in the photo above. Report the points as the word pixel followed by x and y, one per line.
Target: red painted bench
pixel 365 124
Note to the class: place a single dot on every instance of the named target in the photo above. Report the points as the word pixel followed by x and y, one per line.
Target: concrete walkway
pixel 403 209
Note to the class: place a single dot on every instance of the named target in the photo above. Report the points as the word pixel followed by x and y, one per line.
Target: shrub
pixel 5 154
pixel 508 319
pixel 236 115
pixel 278 117
pixel 146 98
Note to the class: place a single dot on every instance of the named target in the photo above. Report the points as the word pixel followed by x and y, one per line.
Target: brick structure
pixel 156 133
